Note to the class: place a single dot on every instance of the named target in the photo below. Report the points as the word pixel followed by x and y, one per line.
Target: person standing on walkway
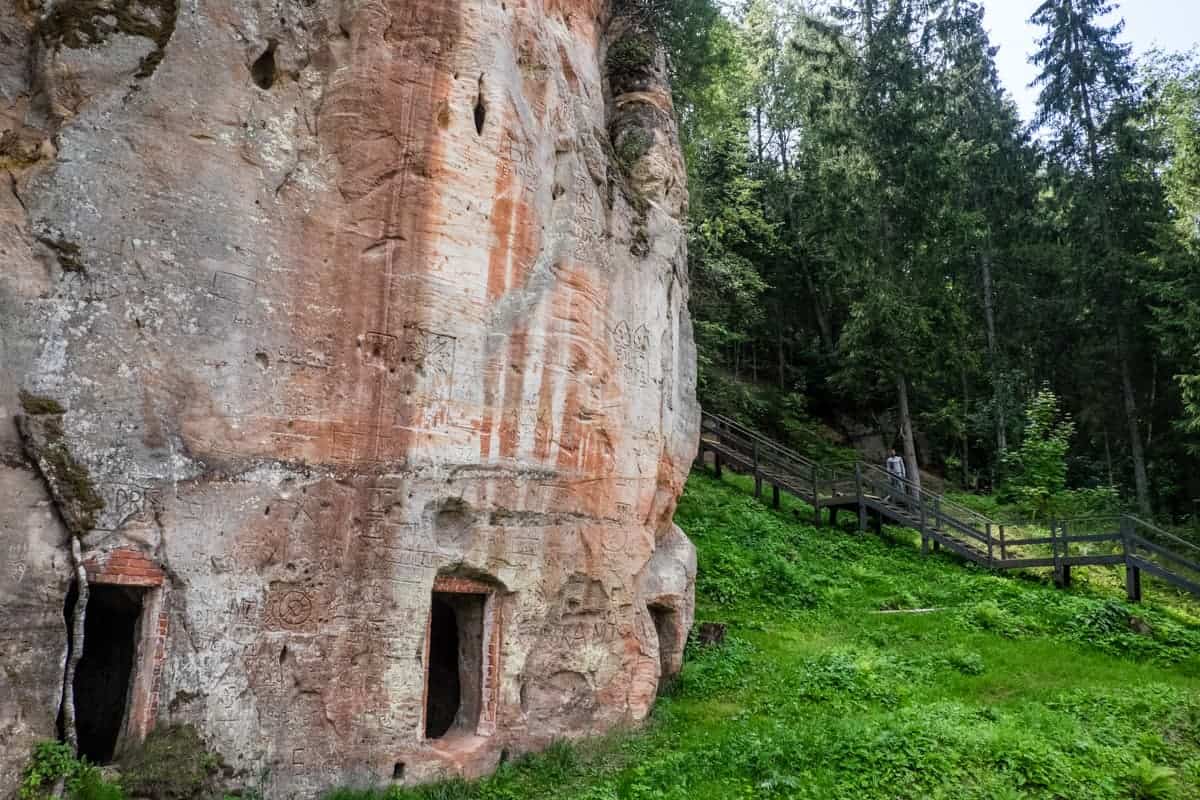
pixel 896 468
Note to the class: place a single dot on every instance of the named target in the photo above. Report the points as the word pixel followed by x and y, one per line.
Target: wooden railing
pixel 1099 541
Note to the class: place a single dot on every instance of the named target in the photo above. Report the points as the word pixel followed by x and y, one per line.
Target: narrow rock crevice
pixel 480 109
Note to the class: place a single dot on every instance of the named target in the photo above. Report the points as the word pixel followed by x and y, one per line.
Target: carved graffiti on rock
pixel 295 608
pixel 380 350
pixel 291 607
pixel 631 347
pixel 235 288
pixel 122 502
pixel 432 356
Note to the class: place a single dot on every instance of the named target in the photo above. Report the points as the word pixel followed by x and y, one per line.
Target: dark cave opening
pixel 105 671
pixel 263 68
pixel 666 625
pixel 454 687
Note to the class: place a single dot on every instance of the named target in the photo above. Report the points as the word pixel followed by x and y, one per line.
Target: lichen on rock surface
pixel 377 394
pixel 68 479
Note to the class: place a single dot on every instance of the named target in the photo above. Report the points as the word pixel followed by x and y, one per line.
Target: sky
pixel 1170 24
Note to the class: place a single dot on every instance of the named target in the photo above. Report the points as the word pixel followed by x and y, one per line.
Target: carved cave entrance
pixel 104 676
pixel 461 656
pixel 124 649
pixel 666 625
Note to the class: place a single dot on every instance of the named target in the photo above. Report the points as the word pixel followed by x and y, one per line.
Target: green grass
pixel 1009 689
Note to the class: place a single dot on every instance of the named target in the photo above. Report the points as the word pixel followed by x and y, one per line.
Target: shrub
pixel 54 761
pixel 967 662
pixel 1037 470
pixel 1151 782
pixel 171 764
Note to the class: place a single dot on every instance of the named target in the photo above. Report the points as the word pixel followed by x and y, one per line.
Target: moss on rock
pixel 172 763
pixel 79 503
pixel 70 256
pixel 38 405
pixel 630 61
pixel 88 23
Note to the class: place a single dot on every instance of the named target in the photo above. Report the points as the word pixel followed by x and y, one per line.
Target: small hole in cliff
pixel 263 360
pixel 263 69
pixel 267 511
pixel 283 654
pixel 398 771
pixel 480 109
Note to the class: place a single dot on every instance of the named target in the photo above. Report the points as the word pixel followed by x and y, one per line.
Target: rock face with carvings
pixel 350 338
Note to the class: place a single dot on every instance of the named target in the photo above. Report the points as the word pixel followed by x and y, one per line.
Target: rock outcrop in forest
pixel 348 340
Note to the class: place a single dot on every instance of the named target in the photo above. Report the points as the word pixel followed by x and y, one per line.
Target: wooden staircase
pixel 1109 541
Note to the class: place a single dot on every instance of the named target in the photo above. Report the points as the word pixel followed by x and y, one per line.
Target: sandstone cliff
pixel 351 339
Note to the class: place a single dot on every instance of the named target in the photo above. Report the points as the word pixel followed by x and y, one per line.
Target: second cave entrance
pixel 454 682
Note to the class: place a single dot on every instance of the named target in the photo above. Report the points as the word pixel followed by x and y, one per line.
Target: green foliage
pixel 631 56
pixel 55 761
pixel 1190 424
pixel 172 763
pixel 1037 470
pixel 1150 782
pixel 50 761
pixel 632 146
pixel 867 205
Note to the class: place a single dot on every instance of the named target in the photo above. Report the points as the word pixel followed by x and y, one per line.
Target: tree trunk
pixel 1140 481
pixel 782 356
pixel 823 325
pixel 989 318
pixel 758 126
pixel 821 310
pixel 1153 404
pixel 78 618
pixel 906 433
pixel 966 438
pixel 1108 459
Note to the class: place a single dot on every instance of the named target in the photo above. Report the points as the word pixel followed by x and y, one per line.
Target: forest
pixel 876 235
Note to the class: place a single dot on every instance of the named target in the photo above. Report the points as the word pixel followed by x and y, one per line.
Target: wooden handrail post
pixel 757 477
pixel 924 533
pixel 1056 530
pixel 1003 547
pixel 862 506
pixel 1133 575
pixel 816 499
pixel 937 513
pixel 991 555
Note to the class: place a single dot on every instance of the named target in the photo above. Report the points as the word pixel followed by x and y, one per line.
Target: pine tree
pixel 1089 103
pixel 1085 72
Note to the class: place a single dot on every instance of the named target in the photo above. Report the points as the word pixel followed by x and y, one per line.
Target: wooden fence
pixel 1141 547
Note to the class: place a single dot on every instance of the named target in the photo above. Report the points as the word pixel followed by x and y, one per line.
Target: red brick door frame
pixel 126 566
pixel 489 688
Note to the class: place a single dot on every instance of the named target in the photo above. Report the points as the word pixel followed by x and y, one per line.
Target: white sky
pixel 1170 24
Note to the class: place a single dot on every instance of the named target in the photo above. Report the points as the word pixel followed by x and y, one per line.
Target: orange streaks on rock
pixel 514 386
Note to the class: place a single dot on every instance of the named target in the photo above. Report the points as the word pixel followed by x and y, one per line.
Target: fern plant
pixel 1151 782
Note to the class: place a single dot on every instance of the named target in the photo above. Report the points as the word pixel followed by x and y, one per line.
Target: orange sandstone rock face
pixel 368 326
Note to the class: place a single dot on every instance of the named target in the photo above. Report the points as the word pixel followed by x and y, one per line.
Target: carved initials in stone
pixel 631 349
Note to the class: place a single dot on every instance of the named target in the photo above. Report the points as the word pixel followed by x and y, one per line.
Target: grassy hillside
pixel 1009 688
